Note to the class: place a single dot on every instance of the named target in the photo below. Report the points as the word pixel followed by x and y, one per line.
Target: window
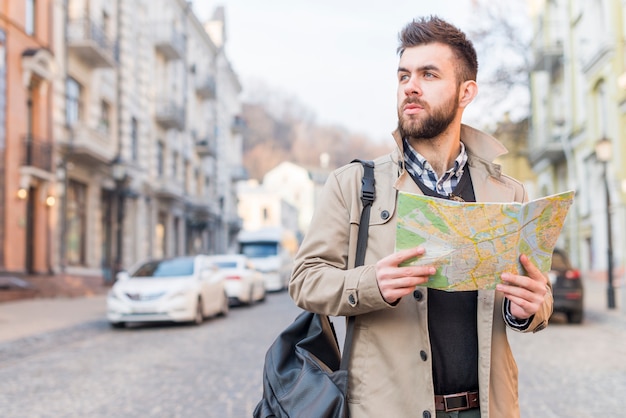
pixel 188 178
pixel 134 139
pixel 105 117
pixel 76 218
pixel 30 17
pixel 160 159
pixel 73 93
pixel 175 165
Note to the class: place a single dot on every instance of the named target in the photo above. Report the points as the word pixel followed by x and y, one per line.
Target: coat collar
pixel 482 149
pixel 478 143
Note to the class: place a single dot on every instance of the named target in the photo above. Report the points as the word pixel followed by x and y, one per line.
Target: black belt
pixel 457 402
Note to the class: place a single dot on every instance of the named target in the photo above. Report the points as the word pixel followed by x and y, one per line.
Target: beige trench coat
pixel 391 370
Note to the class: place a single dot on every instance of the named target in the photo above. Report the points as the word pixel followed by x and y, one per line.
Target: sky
pixel 337 58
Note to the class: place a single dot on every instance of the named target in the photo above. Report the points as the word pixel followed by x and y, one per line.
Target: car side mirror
pixel 122 275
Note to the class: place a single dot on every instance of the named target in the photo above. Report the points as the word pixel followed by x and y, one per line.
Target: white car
pixel 180 289
pixel 244 283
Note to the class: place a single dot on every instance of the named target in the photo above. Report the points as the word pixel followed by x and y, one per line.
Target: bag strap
pixel 368 195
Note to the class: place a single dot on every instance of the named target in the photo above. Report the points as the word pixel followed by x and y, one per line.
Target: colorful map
pixel 472 244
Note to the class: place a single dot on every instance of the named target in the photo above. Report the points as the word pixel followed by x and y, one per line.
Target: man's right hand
pixel 394 281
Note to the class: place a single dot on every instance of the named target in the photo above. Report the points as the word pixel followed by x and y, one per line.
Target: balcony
pixel 90 144
pixel 90 43
pixel 37 154
pixel 551 151
pixel 170 115
pixel 169 189
pixel 238 125
pixel 206 88
pixel 206 147
pixel 549 58
pixel 238 173
pixel 169 41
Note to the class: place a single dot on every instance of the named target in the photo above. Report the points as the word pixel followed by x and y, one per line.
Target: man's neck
pixel 441 151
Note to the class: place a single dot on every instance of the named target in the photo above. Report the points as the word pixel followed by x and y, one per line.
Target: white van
pixel 272 251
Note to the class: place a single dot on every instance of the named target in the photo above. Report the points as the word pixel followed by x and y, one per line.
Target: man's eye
pixel 403 77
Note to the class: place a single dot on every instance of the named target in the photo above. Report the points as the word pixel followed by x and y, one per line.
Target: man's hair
pixel 433 29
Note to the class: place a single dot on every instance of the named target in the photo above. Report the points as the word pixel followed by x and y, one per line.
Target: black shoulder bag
pixel 304 375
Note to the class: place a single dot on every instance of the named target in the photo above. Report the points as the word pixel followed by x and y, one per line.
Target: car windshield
pixel 259 249
pixel 226 264
pixel 166 268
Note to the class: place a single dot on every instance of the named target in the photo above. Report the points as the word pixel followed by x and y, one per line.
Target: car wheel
pixel 199 317
pixel 118 325
pixel 225 306
pixel 575 317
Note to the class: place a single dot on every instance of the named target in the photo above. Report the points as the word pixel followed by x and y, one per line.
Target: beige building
pixel 577 101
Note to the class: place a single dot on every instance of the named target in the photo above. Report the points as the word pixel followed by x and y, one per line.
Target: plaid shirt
pixel 419 168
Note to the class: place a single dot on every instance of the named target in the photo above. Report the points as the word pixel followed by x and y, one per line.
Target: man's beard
pixel 434 124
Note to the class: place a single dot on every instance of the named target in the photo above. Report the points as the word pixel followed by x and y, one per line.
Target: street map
pixel 472 244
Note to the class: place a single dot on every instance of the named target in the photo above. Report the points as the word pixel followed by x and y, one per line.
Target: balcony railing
pixel 238 173
pixel 37 153
pixel 238 125
pixel 169 41
pixel 206 147
pixel 170 114
pixel 91 44
pixel 206 87
pixel 549 58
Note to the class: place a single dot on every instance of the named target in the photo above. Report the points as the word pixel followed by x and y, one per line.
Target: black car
pixel 567 287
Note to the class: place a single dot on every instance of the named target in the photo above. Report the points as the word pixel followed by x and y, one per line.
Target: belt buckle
pixel 457 396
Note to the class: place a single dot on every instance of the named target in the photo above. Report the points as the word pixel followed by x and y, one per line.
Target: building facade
pixel 578 100
pixel 138 108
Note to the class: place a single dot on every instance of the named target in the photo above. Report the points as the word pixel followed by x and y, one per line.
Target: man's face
pixel 428 91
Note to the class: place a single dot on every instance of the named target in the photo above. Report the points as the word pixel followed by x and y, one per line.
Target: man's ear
pixel 467 92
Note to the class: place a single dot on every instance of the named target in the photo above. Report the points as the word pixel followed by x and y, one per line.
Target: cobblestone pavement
pixel 214 370
pixel 91 370
pixel 575 370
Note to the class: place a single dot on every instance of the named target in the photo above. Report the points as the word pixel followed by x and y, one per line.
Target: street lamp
pixel 120 175
pixel 604 148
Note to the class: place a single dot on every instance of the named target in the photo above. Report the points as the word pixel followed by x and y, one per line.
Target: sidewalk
pixel 32 305
pixel 27 317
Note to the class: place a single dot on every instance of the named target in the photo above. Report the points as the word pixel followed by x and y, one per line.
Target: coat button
pixel 417 294
pixel 384 214
pixel 426 414
pixel 423 355
pixel 351 299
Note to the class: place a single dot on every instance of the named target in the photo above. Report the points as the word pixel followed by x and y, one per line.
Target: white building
pixel 147 156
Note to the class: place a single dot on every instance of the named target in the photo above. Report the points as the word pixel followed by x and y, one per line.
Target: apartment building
pixel 120 135
pixel 27 174
pixel 578 103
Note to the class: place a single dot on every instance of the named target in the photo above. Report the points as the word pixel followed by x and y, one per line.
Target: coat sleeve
pixel 323 280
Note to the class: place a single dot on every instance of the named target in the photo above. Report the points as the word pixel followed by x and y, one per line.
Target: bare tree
pixel 501 31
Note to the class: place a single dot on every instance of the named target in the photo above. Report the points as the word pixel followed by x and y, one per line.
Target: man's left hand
pixel 526 293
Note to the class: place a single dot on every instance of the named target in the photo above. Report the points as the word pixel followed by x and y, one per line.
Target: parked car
pixel 180 289
pixel 567 287
pixel 244 283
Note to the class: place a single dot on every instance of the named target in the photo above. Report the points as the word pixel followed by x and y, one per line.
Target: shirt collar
pixel 417 165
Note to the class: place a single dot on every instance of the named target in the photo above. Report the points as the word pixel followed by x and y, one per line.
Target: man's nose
pixel 412 87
